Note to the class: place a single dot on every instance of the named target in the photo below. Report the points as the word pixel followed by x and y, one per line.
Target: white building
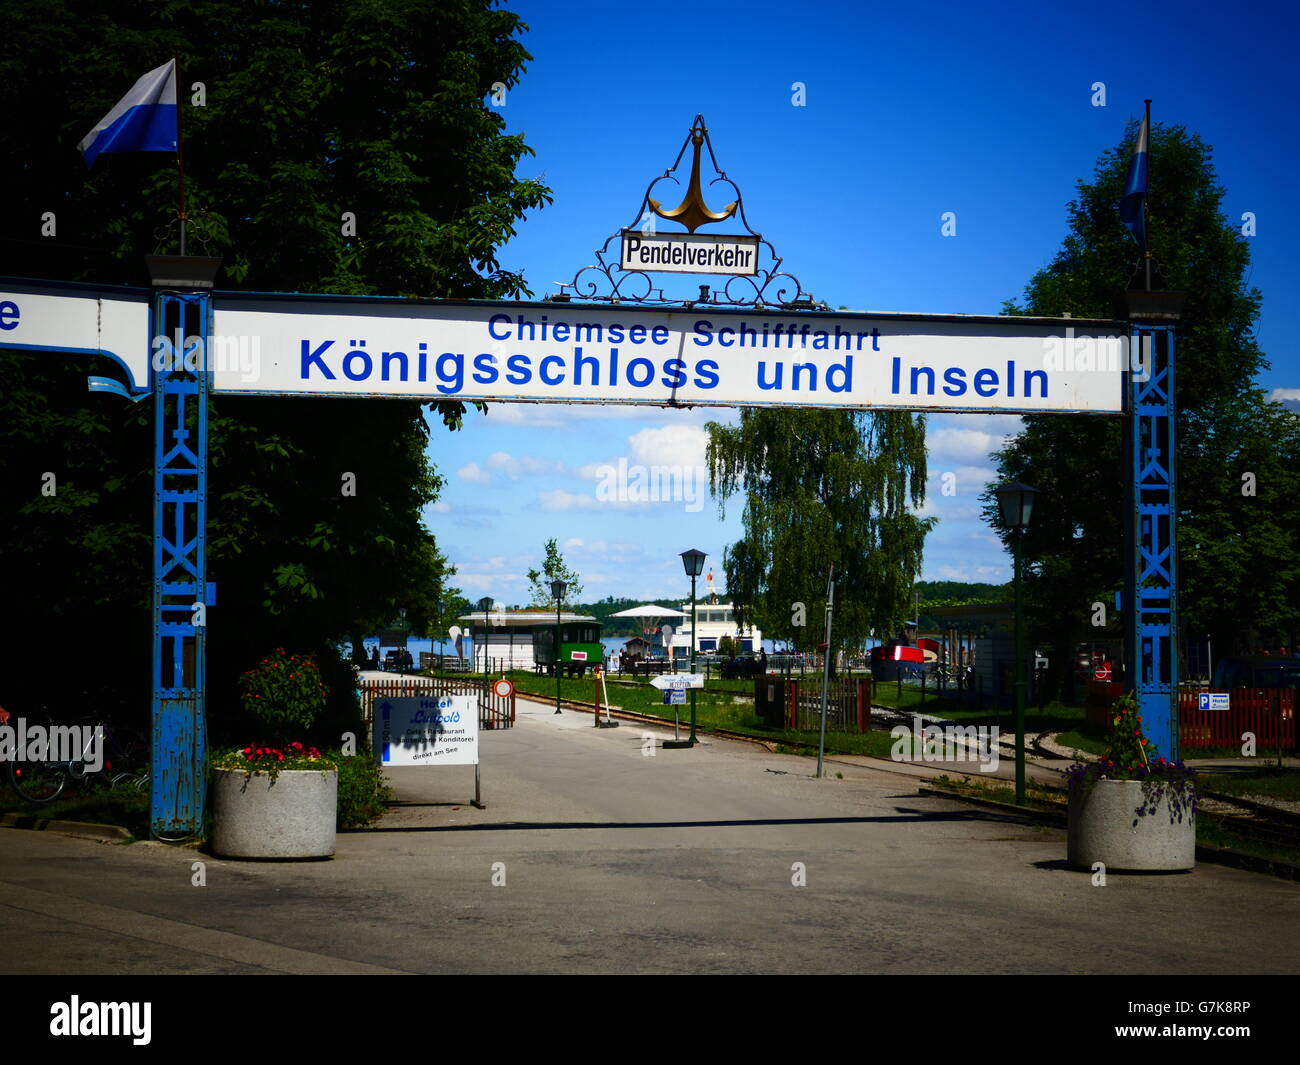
pixel 715 621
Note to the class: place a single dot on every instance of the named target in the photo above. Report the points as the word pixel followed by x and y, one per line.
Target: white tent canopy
pixel 650 610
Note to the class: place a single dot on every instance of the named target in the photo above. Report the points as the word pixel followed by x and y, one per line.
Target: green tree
pixel 553 568
pixel 374 107
pixel 822 488
pixel 447 610
pixel 1237 557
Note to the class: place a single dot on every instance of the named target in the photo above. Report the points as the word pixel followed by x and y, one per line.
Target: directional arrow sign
pixel 678 680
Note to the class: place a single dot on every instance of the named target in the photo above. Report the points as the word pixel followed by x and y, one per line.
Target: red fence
pixel 1267 713
pixel 848 704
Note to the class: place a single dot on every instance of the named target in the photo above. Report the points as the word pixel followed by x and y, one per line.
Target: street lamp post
pixel 401 658
pixel 1016 502
pixel 558 588
pixel 485 604
pixel 693 561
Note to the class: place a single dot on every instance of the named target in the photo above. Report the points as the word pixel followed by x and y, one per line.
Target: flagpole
pixel 180 157
pixel 1144 200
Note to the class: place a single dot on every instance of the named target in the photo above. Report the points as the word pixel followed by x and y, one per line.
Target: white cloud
pixel 953 444
pixel 474 473
pixel 516 467
pixel 966 571
pixel 679 445
pixel 605 548
pixel 669 445
pixel 559 499
pixel 1280 394
pixel 440 507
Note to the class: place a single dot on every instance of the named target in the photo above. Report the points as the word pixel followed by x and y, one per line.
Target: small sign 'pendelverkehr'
pixel 690 253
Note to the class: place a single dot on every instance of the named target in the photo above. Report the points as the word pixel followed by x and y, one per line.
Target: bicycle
pixel 44 780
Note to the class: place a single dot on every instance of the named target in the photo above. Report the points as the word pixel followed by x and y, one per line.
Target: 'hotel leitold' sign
pixel 690 253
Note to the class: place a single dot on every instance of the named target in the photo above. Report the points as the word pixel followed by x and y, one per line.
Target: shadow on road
pixel 904 816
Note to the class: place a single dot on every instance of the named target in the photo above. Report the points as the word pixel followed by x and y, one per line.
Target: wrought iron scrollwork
pixel 605 280
pixel 197 228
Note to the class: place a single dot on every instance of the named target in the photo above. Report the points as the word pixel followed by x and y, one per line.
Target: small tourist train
pixel 525 639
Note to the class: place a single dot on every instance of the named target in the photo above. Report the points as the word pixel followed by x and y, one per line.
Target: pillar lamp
pixel 693 562
pixel 485 604
pixel 558 589
pixel 1016 501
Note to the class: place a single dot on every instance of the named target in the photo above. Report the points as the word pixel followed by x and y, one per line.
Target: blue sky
pixel 909 111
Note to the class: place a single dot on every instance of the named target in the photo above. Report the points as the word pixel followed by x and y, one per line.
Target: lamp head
pixel 1016 501
pixel 693 561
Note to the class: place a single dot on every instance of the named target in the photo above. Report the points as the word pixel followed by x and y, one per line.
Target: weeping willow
pixel 822 488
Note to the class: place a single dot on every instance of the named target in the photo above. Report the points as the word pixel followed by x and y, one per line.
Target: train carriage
pixel 580 646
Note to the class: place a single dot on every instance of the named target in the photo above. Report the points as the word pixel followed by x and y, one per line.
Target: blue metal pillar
pixel 181 327
pixel 1151 585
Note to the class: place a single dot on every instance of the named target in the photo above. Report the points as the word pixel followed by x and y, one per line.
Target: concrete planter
pixel 290 816
pixel 1102 829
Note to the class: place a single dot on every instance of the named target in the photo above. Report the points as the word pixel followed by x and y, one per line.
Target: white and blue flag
pixel 144 120
pixel 1135 189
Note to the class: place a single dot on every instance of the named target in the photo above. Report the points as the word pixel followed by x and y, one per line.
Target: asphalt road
pixel 619 861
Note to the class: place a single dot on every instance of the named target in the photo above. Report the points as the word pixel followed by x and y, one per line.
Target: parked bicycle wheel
pixel 37 781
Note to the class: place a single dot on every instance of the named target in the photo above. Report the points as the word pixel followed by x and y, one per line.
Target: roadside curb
pixel 1250 862
pixel 1050 817
pixel 84 830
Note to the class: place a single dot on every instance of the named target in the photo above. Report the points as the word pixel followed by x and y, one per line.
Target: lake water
pixel 612 645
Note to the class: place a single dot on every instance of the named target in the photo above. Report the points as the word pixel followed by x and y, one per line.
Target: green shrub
pixel 285 692
pixel 362 789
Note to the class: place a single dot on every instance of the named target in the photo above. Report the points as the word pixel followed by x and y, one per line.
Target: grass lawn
pixel 1055 717
pixel 719 704
pixel 97 806
pixel 1266 782
pixel 1084 737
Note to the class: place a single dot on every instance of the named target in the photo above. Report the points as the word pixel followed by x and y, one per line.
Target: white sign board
pixel 558 352
pixel 568 353
pixel 442 730
pixel 1215 700
pixel 73 320
pixel 690 253
pixel 670 681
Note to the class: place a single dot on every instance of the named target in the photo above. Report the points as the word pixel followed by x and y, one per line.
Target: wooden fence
pixel 788 702
pixel 1267 713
